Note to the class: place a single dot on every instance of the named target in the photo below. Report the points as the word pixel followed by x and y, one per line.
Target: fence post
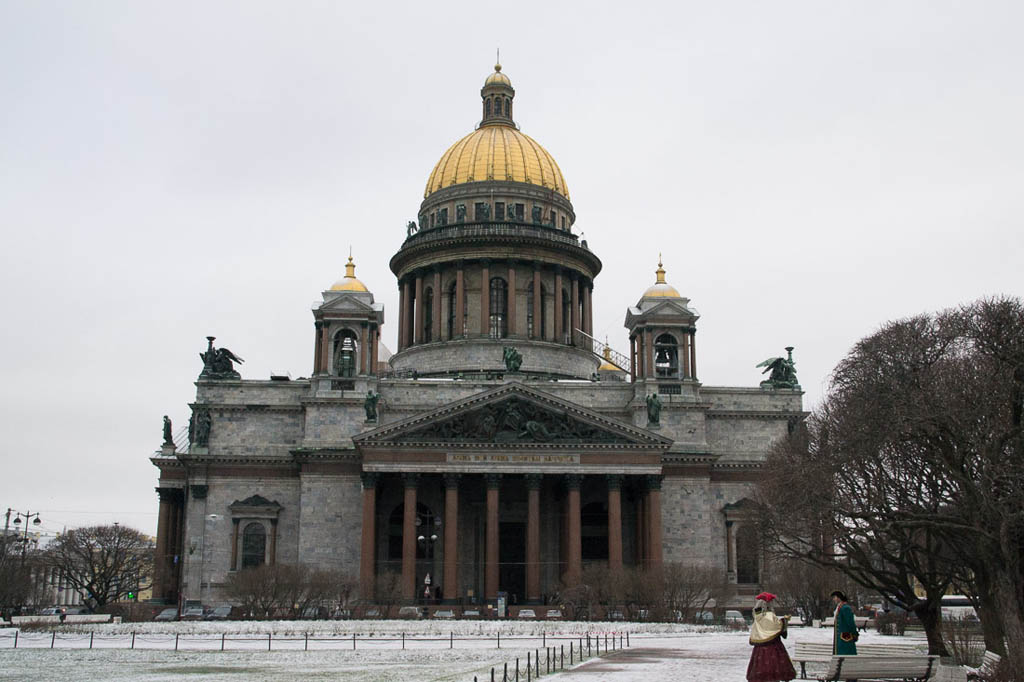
pixel 90 639
pixel 403 641
pixel 606 642
pixel 16 638
pixel 570 653
pixel 306 646
pixel 269 635
pixel 504 675
pixel 517 669
pixel 451 639
pixel 544 638
pixel 627 637
pixel 588 646
pixel 499 639
pixel 176 641
pixel 536 659
pixel 563 655
pixel 222 637
pixel 53 638
pixel 353 641
pixel 492 674
pixel 133 639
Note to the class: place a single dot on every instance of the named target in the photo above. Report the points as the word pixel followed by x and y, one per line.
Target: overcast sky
pixel 173 170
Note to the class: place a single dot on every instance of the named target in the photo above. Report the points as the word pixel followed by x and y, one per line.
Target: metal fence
pixel 554 658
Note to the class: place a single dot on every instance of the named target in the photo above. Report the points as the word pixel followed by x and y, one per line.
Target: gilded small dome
pixel 349 281
pixel 497 78
pixel 607 365
pixel 661 289
pixel 497 152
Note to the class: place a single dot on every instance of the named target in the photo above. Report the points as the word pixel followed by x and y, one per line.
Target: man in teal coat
pixel 844 640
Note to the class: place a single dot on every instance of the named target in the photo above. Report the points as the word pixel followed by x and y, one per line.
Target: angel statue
pixel 217 362
pixel 513 358
pixel 783 371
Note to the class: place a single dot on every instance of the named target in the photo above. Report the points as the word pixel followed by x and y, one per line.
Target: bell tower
pixel 662 334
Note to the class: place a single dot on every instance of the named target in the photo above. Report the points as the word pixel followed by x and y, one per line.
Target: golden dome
pixel 661 289
pixel 497 78
pixel 497 152
pixel 349 281
pixel 607 365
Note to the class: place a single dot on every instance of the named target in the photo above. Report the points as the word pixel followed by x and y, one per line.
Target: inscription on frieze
pixel 511 458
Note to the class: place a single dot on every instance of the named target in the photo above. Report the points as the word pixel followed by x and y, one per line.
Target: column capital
pixel 169 494
pixel 573 481
pixel 493 481
pixel 318 324
pixel 652 482
pixel 485 262
pixel 452 481
pixel 614 481
pixel 533 481
pixel 411 479
pixel 370 479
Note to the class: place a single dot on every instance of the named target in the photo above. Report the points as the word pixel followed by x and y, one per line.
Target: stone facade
pixel 448 461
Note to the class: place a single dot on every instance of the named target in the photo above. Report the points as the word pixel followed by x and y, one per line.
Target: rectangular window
pixel 478 212
pixel 499 211
pixel 552 219
pixel 520 212
pixel 442 217
pixel 563 222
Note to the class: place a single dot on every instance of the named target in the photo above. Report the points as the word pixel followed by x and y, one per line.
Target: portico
pixel 522 513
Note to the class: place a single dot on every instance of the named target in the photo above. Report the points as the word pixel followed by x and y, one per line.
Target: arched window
pixel 508 107
pixel 254 545
pixel 487 107
pixel 748 554
pixel 530 329
pixel 566 317
pixel 428 315
pixel 594 531
pixel 499 308
pixel 666 356
pixel 345 353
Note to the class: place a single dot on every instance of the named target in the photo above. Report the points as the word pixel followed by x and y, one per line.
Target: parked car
pixel 704 618
pixel 372 612
pixel 410 612
pixel 527 613
pixel 471 613
pixel 219 613
pixel 444 613
pixel 192 613
pixel 167 615
pixel 554 614
pixel 734 618
pixel 615 614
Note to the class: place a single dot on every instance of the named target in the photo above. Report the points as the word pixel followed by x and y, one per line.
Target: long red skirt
pixel 770 663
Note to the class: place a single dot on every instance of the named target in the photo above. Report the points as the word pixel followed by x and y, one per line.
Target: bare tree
pixel 102 563
pixel 687 588
pixel 914 467
pixel 15 579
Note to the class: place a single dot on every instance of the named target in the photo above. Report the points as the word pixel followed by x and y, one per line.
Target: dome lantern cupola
pixel 497 95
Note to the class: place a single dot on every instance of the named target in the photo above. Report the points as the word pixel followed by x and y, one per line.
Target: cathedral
pixel 501 450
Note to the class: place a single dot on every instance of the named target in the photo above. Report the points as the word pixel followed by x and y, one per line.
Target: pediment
pixel 346 302
pixel 512 415
pixel 675 307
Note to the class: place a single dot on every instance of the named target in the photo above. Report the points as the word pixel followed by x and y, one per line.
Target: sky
pixel 168 171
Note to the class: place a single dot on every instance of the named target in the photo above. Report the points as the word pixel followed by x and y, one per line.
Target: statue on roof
pixel 370 405
pixel 410 228
pixel 513 358
pixel 217 362
pixel 653 409
pixel 783 371
pixel 168 439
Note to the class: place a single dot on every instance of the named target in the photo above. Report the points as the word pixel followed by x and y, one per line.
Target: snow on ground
pixel 657 652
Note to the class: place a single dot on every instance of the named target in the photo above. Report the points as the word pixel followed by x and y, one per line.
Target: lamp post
pixel 18 517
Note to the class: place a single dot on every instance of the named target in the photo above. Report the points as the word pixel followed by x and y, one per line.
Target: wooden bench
pixel 989 663
pixel 901 668
pixel 821 652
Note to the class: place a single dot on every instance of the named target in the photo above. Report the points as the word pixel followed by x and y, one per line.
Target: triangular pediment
pixel 514 415
pixel 347 303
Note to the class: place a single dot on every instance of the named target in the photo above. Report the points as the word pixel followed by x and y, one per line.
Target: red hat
pixel 765 596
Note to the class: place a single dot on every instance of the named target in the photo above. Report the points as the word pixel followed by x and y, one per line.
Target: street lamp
pixel 18 516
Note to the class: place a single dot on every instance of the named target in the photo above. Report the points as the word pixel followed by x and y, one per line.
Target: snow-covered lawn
pixel 658 651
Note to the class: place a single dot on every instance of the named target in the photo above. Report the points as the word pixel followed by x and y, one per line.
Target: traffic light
pixel 131 596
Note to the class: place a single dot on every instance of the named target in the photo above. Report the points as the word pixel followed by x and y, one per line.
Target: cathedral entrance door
pixel 512 561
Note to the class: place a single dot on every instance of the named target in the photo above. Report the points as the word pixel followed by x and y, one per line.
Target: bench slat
pixel 879 667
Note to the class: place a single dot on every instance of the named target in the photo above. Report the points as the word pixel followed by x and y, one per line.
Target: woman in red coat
pixel 769 661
